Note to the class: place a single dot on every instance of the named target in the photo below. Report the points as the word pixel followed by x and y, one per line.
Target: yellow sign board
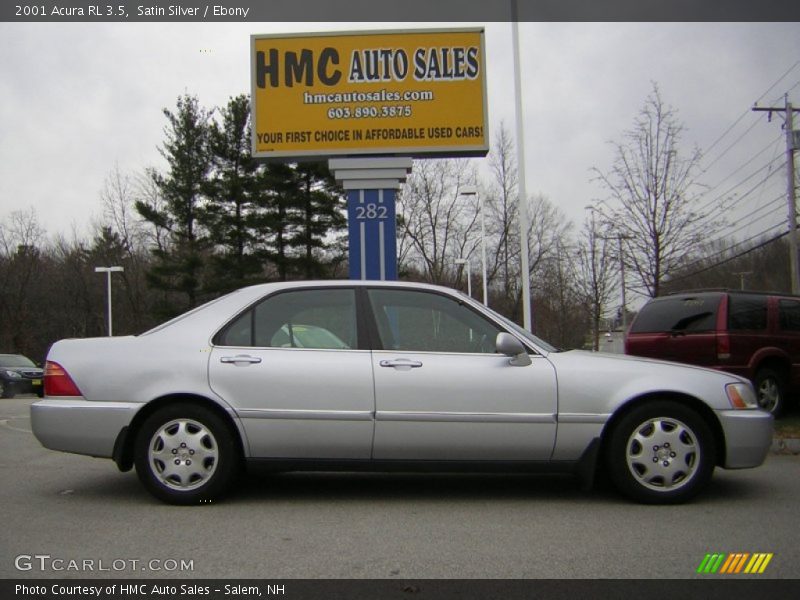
pixel 409 93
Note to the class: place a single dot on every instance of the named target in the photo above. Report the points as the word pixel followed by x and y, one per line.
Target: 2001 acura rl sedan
pixel 385 376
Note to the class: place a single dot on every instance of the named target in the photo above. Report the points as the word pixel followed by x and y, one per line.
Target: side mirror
pixel 510 346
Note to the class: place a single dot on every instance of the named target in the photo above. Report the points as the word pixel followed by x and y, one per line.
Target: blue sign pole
pixel 371 185
pixel 372 234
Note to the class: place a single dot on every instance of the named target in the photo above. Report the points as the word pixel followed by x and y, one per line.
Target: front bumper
pixel 80 426
pixel 23 386
pixel 748 437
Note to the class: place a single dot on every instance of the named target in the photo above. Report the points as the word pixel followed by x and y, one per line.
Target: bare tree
pixel 118 196
pixel 652 195
pixel 595 274
pixel 436 225
pixel 501 203
pixel 21 238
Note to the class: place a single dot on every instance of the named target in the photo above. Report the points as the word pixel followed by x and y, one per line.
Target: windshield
pixel 15 360
pixel 536 341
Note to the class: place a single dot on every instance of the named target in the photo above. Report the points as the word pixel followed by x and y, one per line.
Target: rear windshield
pixel 678 313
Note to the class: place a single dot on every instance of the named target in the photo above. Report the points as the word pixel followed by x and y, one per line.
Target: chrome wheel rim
pixel 183 454
pixel 769 394
pixel 663 454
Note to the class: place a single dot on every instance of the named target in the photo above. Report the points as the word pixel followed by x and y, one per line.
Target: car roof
pixel 710 291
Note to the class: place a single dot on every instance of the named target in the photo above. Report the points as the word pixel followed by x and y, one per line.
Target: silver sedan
pixel 385 376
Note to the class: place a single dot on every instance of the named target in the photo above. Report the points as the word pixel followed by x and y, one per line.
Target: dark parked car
pixel 752 334
pixel 19 375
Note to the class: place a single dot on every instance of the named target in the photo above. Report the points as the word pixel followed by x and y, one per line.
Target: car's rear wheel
pixel 186 454
pixel 770 390
pixel 661 452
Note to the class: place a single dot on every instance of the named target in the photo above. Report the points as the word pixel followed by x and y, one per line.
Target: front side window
pixel 319 319
pixel 428 322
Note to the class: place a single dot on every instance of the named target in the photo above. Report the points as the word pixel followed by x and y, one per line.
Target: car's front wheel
pixel 661 452
pixel 186 454
pixel 6 390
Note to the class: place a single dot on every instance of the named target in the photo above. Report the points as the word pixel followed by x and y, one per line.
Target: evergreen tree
pixel 320 213
pixel 277 202
pixel 233 192
pixel 178 266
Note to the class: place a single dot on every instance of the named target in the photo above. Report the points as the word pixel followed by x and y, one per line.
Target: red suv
pixel 752 334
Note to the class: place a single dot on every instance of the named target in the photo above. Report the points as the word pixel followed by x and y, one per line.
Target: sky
pixel 79 100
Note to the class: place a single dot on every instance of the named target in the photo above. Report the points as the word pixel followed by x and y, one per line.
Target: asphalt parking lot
pixel 75 509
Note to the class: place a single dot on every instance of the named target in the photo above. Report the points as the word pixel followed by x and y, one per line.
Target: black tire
pixel 770 388
pixel 186 454
pixel 6 390
pixel 661 452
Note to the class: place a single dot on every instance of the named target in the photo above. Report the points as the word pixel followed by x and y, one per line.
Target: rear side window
pixel 747 313
pixel 679 313
pixel 312 318
pixel 789 315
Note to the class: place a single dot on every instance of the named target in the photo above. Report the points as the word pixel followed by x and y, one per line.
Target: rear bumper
pixel 748 437
pixel 80 426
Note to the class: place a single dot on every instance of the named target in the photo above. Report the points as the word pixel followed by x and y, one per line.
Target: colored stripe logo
pixel 735 563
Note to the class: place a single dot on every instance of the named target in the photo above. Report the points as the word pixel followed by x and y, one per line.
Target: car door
pixel 292 369
pixel 788 335
pixel 443 393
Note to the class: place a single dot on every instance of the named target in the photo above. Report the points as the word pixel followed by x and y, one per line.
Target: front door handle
pixel 240 359
pixel 401 364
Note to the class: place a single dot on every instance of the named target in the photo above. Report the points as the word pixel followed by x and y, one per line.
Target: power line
pixel 730 146
pixel 773 144
pixel 744 195
pixel 732 258
pixel 746 112
pixel 729 248
pixel 761 218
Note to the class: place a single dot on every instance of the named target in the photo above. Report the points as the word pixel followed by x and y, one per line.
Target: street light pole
pixel 471 190
pixel 108 271
pixel 465 261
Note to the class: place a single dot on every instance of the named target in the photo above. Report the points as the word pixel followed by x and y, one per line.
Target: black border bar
pixel 708 588
pixel 450 11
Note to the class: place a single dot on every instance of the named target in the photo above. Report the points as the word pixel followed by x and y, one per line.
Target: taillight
pixel 57 381
pixel 723 346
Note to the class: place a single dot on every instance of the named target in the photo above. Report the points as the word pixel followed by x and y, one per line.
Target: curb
pixel 789 446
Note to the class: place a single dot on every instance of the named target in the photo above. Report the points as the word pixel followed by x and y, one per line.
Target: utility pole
pixel 791 146
pixel 741 276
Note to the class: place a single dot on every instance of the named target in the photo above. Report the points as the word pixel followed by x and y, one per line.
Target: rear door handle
pixel 401 364
pixel 242 359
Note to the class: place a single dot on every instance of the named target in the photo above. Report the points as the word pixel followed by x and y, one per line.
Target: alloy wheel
pixel 183 454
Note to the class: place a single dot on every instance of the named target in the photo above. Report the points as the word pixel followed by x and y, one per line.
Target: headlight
pixel 13 375
pixel 741 395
